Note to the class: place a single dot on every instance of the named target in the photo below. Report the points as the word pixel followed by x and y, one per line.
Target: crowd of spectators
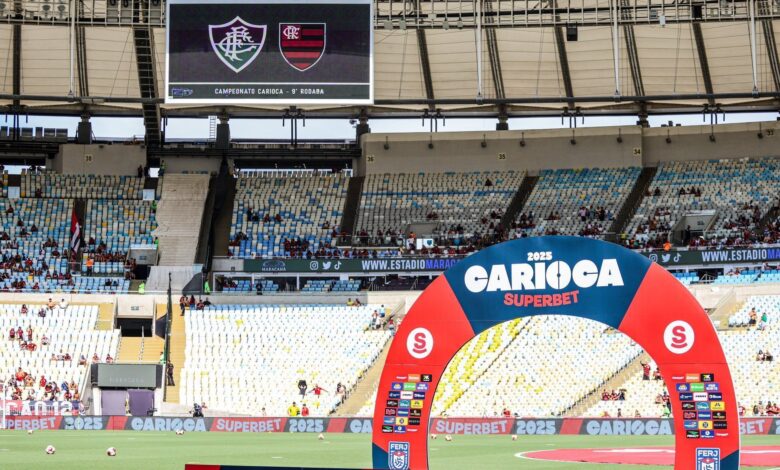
pixel 23 385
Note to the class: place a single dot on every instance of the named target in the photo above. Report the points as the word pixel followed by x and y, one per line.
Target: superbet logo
pixel 419 343
pixel 679 337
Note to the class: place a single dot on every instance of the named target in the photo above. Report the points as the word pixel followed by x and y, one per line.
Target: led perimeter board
pixel 269 52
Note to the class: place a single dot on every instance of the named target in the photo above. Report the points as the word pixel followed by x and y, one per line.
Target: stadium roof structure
pixel 490 58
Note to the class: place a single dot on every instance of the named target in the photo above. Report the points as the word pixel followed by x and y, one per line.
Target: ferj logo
pixel 398 455
pixel 707 459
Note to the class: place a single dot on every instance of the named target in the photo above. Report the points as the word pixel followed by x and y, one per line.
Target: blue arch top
pixel 545 276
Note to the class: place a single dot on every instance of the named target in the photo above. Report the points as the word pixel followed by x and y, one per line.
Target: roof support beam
pixel 771 50
pixel 147 81
pixel 493 55
pixel 703 62
pixel 81 53
pixel 563 59
pixel 422 45
pixel 631 51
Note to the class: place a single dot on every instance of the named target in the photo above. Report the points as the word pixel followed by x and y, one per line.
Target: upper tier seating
pixel 54 185
pixel 70 331
pixel 392 201
pixel 741 191
pixel 118 224
pixel 304 204
pixel 243 358
pixel 560 195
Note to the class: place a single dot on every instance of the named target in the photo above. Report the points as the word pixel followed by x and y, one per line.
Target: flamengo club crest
pixel 302 44
pixel 398 455
pixel 237 43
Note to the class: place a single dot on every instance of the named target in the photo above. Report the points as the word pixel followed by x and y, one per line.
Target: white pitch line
pixel 521 455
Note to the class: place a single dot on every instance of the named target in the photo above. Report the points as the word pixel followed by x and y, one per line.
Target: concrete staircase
pixel 179 217
pixel 519 200
pixel 138 349
pixel 366 387
pixel 352 204
pixel 631 204
pixel 614 383
pixel 105 319
pixel 176 353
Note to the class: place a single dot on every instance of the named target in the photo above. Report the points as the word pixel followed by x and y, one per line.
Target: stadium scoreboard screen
pixel 269 52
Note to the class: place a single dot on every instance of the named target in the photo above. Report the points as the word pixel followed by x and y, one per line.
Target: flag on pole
pixel 75 233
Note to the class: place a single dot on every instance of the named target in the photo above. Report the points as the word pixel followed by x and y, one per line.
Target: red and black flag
pixel 75 233
pixel 302 44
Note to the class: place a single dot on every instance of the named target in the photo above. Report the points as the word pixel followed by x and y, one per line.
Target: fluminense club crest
pixel 237 43
pixel 302 44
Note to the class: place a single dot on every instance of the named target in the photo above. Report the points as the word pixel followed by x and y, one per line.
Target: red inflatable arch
pixel 560 276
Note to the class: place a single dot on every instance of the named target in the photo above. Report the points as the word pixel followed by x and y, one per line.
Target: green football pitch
pixel 79 450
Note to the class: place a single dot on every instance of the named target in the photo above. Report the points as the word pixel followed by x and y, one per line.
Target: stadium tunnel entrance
pixel 571 276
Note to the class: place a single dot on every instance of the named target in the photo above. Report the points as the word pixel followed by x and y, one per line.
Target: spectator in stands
pixel 182 304
pixel 64 305
pixel 82 360
pixel 753 316
pixel 304 410
pixel 109 359
pixel 391 327
pixel 645 371
pixel 317 391
pixel 140 171
pixel 302 386
pixel 192 302
pixel 657 374
pixel 206 302
pixel 90 265
pixel 768 357
pixel 95 359
pixel 169 374
pixel 293 410
pixel 51 304
pixel 200 305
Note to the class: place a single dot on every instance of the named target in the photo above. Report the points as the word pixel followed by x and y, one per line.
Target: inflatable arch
pixel 560 276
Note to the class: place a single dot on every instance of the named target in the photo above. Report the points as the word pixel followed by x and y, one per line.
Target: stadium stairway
pixel 223 208
pixel 727 306
pixel 105 319
pixel 138 349
pixel 352 204
pixel 616 382
pixel 180 216
pixel 365 389
pixel 631 204
pixel 176 352
pixel 519 199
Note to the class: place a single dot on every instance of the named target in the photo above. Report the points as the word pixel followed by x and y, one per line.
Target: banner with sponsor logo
pixel 343 266
pixel 267 51
pixel 573 276
pixel 452 425
pixel 674 258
